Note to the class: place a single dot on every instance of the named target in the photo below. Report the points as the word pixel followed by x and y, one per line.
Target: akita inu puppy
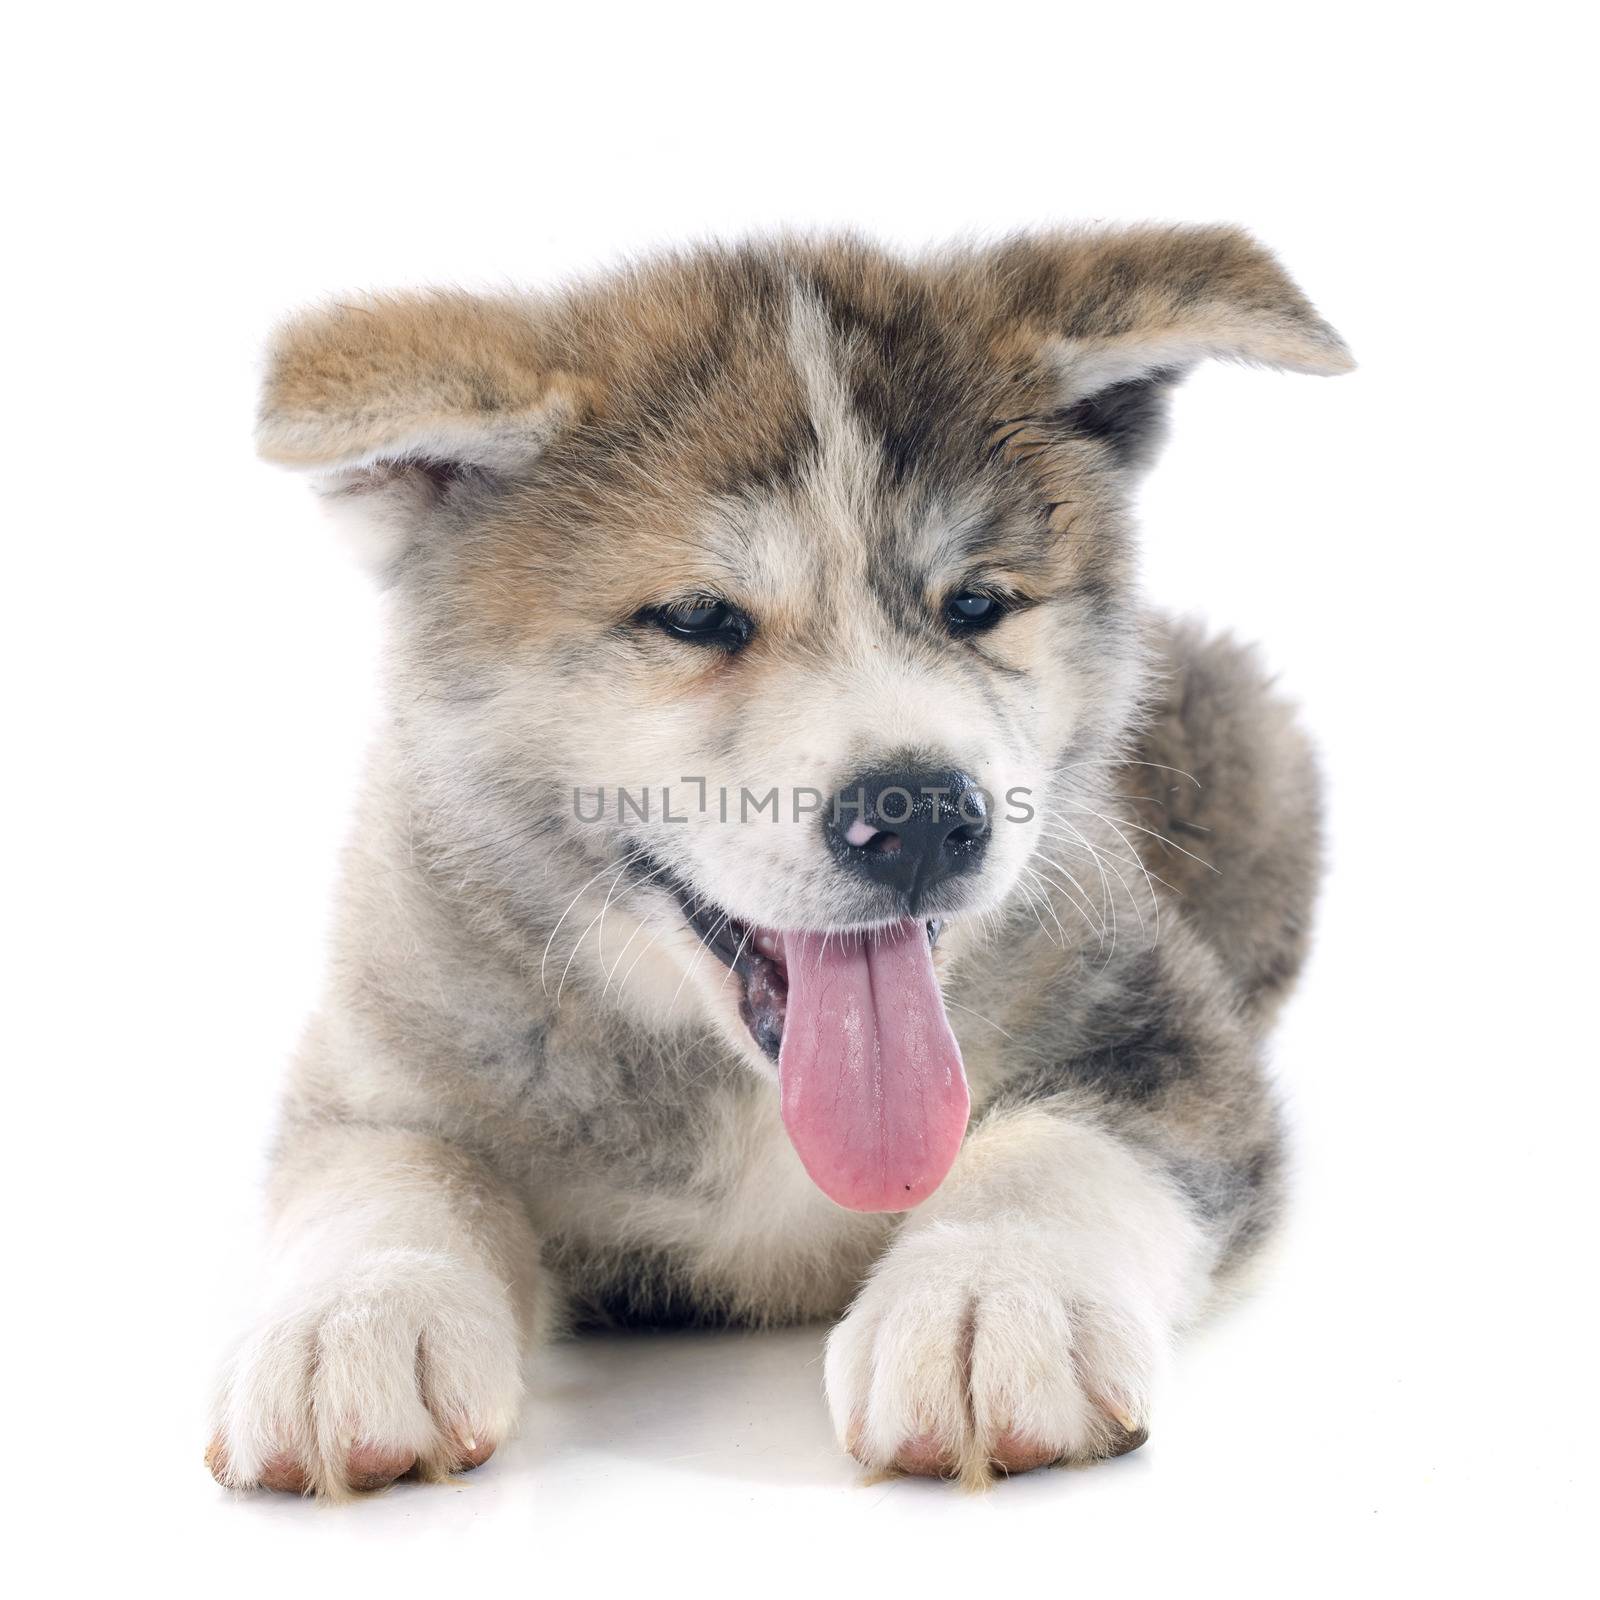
pixel 795 877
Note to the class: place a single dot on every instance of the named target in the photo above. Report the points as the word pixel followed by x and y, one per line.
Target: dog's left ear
pixel 402 408
pixel 1116 318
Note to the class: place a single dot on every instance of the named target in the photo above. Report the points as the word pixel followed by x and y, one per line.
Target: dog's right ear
pixel 399 407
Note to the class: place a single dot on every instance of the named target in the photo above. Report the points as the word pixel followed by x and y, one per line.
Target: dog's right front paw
pixel 408 1363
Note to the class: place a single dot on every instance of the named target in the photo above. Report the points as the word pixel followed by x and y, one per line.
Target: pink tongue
pixel 873 1093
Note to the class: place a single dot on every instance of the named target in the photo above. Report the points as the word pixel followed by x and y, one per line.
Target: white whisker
pixel 543 959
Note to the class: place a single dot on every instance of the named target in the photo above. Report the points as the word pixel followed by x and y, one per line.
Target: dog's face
pixel 752 606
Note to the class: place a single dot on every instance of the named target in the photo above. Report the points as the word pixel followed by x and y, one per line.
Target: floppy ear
pixel 401 407
pixel 1116 318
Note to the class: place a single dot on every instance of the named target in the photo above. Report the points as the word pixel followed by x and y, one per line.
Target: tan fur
pixel 531 1094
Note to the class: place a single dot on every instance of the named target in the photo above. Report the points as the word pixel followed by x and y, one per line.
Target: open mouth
pixel 873 1092
pixel 758 957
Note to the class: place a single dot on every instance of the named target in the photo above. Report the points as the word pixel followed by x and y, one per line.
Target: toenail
pixel 283 1473
pixel 370 1466
pixel 925 1456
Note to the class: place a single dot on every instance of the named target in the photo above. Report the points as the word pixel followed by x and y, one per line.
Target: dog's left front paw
pixel 974 1350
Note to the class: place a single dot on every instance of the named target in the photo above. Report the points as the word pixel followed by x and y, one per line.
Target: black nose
pixel 909 829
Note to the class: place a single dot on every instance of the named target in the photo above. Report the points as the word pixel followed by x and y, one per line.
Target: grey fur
pixel 592 1154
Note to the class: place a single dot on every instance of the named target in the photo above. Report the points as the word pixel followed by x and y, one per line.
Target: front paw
pixel 980 1349
pixel 406 1363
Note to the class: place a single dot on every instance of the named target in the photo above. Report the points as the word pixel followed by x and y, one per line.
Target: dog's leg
pixel 406 1292
pixel 1025 1311
pixel 1023 1314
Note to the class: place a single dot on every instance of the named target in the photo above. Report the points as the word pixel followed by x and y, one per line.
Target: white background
pixel 190 664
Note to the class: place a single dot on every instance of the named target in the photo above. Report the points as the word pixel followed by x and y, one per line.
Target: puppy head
pixel 798 520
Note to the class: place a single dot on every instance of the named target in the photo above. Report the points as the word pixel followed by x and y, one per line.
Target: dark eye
pixel 702 621
pixel 970 611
